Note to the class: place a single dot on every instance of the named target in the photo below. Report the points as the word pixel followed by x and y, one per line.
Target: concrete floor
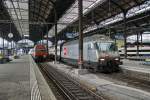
pixel 136 69
pixel 15 80
pixel 102 86
pixel 132 63
pixel 135 66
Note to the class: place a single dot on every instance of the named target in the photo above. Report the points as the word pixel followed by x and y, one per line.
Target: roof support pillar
pixel 137 44
pixel 3 44
pixel 125 26
pixel 141 39
pixel 16 15
pixel 80 12
pixel 55 34
pixel 55 23
pixel 42 36
pixel 47 39
pixel 125 35
pixel 11 45
pixel 115 3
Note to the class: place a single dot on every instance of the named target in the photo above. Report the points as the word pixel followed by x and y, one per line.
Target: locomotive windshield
pixel 40 50
pixel 106 46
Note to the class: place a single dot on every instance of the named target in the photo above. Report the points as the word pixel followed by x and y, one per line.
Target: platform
pixel 21 79
pixel 138 58
pixel 15 80
pixel 136 69
pixel 133 63
pixel 102 86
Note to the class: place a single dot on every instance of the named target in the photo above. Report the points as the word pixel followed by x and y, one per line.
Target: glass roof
pixel 18 10
pixel 40 9
pixel 132 12
pixel 71 14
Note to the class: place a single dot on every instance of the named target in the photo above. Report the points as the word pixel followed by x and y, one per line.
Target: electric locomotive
pixel 99 53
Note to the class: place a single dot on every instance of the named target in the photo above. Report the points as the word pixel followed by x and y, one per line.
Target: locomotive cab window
pixel 41 50
pixel 106 46
pixel 113 47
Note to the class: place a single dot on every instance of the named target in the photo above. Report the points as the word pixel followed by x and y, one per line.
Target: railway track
pixel 70 89
pixel 120 78
pixel 52 85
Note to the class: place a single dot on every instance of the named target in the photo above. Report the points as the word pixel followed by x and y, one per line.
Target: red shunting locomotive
pixel 40 53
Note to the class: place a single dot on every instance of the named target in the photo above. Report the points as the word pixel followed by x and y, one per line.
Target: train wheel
pixel 101 69
pixel 36 60
pixel 108 68
pixel 95 69
pixel 110 65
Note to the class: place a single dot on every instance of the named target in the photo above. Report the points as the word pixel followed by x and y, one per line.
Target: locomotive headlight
pixel 102 59
pixel 116 58
pixel 44 56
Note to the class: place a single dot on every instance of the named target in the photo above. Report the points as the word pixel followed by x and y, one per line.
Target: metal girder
pixel 136 24
pixel 120 7
pixel 4 11
pixel 16 15
pixel 52 2
pixel 36 15
pixel 20 13
pixel 136 2
pixel 5 29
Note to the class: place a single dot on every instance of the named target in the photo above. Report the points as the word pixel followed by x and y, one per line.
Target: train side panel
pixel 70 54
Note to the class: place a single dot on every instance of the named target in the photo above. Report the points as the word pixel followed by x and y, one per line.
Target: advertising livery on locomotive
pixel 99 53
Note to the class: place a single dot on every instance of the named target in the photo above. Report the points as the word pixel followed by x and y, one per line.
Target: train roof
pixel 99 38
pixel 93 38
pixel 40 46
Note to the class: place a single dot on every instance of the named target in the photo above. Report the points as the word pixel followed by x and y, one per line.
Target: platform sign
pixel 71 35
pixel 119 36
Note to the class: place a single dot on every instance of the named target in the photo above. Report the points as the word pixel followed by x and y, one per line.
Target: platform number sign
pixel 65 51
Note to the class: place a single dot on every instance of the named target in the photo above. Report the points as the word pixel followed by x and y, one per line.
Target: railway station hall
pixel 74 49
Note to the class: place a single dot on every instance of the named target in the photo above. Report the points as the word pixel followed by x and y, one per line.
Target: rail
pixel 71 89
